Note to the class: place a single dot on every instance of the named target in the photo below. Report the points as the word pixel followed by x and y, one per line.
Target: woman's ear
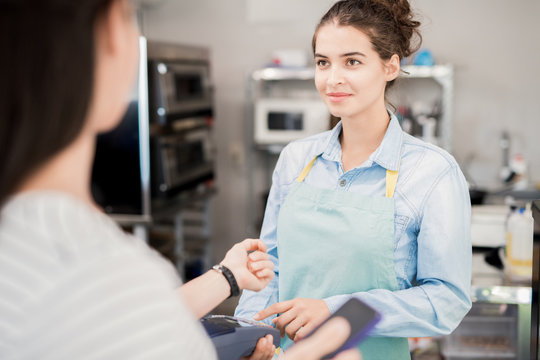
pixel 115 66
pixel 111 27
pixel 392 67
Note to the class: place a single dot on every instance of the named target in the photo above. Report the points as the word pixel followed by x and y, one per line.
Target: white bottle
pixel 519 245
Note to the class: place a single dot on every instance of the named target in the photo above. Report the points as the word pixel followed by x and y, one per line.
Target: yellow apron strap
pixel 391 181
pixel 306 170
pixel 391 177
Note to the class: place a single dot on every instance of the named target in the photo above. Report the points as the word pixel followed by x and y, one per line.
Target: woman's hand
pixel 264 351
pixel 324 341
pixel 250 264
pixel 298 316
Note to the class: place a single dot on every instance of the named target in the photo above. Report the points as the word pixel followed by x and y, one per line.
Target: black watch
pixel 235 290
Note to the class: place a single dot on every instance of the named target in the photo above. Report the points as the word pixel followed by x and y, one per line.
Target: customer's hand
pixel 264 350
pixel 324 341
pixel 298 317
pixel 250 264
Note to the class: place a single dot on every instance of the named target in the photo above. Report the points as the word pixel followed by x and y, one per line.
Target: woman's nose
pixel 335 76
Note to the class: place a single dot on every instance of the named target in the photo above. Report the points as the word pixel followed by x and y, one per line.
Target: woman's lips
pixel 338 96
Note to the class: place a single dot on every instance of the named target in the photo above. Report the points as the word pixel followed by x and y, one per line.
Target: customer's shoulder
pixel 63 227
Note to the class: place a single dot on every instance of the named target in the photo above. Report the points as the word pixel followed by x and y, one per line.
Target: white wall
pixel 494 45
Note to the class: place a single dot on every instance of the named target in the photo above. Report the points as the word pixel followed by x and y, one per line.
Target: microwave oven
pixel 181 160
pixel 280 121
pixel 179 82
pixel 181 118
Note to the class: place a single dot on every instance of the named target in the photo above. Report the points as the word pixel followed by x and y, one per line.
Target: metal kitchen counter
pixel 519 295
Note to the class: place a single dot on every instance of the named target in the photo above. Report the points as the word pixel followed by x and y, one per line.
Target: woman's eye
pixel 352 62
pixel 321 63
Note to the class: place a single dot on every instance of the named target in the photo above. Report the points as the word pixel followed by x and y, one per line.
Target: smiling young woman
pixel 365 210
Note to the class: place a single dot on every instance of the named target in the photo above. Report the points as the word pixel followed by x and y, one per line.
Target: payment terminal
pixel 235 337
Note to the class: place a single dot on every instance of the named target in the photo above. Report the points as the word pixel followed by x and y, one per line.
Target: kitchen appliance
pixel 163 145
pixel 181 110
pixel 488 225
pixel 490 330
pixel 179 82
pixel 181 160
pixel 279 121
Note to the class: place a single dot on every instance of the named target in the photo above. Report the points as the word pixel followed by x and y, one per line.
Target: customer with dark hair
pixel 365 210
pixel 73 285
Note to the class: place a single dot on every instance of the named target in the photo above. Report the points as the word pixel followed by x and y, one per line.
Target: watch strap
pixel 235 290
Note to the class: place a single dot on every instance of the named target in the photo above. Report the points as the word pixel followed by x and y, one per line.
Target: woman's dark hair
pixel 388 23
pixel 47 72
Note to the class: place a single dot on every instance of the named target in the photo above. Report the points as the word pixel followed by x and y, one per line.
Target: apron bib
pixel 334 242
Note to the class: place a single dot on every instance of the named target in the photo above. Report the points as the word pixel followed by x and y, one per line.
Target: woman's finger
pixel 260 265
pixel 324 341
pixel 258 255
pixel 276 308
pixel 306 329
pixel 265 274
pixel 263 350
pixel 283 320
pixel 294 326
pixel 253 245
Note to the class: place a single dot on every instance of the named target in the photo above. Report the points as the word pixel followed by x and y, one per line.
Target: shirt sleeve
pixel 252 302
pixel 440 298
pixel 122 306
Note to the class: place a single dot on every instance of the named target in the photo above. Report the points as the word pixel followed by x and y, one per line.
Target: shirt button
pixel 342 182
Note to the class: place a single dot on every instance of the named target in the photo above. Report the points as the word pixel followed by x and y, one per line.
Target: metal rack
pixel 497 327
pixel 418 81
pixel 272 82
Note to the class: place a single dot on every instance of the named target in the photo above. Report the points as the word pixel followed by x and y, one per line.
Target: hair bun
pixel 406 25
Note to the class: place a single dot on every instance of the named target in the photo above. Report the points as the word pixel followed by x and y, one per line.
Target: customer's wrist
pixel 229 277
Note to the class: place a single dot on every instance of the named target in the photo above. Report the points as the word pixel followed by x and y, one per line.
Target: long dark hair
pixel 47 72
pixel 390 25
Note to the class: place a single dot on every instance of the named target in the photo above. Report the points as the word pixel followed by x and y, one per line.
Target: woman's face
pixel 349 75
pixel 117 60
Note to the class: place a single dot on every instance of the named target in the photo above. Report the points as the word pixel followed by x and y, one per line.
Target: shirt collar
pixel 387 155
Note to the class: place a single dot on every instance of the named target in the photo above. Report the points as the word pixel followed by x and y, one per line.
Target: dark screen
pixel 188 87
pixel 116 174
pixel 215 326
pixel 285 121
pixel 189 155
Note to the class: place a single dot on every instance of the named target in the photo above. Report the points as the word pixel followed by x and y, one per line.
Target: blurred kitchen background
pixel 494 46
pixel 217 70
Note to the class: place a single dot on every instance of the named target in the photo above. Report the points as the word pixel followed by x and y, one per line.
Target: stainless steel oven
pixel 179 82
pixel 181 110
pixel 181 160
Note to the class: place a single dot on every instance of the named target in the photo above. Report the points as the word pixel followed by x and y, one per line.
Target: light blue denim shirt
pixel 432 251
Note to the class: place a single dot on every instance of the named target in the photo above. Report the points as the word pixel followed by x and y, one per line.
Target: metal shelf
pixel 502 294
pixel 443 75
pixel 276 73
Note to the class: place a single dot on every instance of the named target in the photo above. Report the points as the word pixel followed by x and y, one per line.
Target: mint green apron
pixel 336 242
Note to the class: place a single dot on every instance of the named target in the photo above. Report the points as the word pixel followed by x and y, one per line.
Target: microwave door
pixel 187 88
pixel 285 121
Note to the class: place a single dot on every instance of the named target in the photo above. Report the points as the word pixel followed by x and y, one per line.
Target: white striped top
pixel 73 285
